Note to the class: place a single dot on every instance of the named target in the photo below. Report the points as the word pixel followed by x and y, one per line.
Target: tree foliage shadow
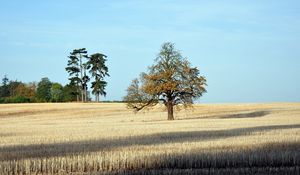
pixel 72 148
pixel 277 157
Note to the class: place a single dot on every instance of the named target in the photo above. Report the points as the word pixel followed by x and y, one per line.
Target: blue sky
pixel 248 50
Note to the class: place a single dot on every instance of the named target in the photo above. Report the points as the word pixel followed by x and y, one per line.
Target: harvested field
pixel 109 139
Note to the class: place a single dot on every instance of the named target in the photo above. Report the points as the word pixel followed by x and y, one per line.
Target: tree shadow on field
pixel 86 146
pixel 246 115
pixel 254 114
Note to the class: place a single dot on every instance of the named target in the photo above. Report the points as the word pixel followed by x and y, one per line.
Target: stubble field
pixel 75 138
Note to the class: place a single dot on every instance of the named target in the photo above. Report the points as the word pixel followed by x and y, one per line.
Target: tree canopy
pixel 44 90
pixel 57 92
pixel 171 80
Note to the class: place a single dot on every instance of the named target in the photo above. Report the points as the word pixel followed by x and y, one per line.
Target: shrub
pixel 17 99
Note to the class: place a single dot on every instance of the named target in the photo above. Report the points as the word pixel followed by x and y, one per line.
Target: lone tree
pixel 171 81
pixel 99 70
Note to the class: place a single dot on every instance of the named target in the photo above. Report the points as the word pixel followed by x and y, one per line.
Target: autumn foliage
pixel 170 81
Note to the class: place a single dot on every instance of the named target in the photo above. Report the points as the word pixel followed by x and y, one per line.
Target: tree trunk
pixel 81 78
pixel 84 95
pixel 97 97
pixel 170 111
pixel 77 95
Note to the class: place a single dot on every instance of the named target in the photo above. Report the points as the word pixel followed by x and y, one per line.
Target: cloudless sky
pixel 248 50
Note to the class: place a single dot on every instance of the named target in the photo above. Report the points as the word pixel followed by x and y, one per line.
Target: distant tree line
pixel 14 91
pixel 81 68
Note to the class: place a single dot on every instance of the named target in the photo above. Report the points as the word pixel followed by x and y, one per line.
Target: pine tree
pixel 99 70
pixel 76 67
pixel 73 68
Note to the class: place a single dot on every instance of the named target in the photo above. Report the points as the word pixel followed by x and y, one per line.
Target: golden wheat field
pixel 106 138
